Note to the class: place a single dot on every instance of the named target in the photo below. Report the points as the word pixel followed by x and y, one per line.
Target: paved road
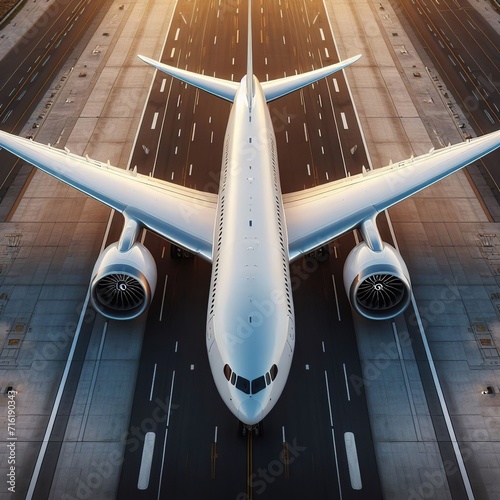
pixel 465 50
pixel 181 140
pixel 301 452
pixel 30 66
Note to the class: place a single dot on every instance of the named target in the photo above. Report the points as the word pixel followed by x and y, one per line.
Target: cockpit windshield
pixel 243 384
pixel 257 384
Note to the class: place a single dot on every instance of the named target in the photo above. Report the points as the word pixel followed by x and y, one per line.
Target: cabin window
pixel 273 372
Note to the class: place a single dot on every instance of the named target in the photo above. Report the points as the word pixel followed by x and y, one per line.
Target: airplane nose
pixel 250 412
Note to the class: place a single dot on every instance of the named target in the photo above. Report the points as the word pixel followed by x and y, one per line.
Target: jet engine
pixel 377 282
pixel 123 283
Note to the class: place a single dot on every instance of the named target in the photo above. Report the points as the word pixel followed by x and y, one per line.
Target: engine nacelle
pixel 377 283
pixel 123 283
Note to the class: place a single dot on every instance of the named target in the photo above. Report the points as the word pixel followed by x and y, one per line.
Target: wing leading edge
pixel 317 215
pixel 182 215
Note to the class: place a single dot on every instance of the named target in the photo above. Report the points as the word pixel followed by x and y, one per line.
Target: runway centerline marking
pixel 213 454
pixel 286 461
pixel 333 433
pixel 249 465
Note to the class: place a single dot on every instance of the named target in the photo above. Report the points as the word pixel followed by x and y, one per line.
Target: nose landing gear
pixel 256 429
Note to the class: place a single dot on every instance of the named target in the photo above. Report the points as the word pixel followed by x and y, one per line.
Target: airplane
pixel 250 232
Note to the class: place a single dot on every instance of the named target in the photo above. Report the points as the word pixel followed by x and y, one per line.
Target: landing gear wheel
pixel 256 429
pixel 322 253
pixel 175 251
pixel 242 428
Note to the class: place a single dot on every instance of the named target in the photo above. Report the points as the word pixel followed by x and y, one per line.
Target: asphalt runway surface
pixel 199 450
pixel 301 450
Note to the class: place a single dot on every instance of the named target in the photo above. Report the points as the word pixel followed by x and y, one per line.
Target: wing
pixel 182 215
pixel 317 215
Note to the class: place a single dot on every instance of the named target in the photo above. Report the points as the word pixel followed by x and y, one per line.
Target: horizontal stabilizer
pixel 283 86
pixel 225 89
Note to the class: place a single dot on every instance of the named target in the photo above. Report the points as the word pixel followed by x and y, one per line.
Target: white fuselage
pixel 250 321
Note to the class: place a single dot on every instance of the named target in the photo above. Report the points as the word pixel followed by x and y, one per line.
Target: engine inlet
pixel 123 283
pixel 120 292
pixel 380 292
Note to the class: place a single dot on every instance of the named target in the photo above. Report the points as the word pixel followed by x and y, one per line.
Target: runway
pixel 465 51
pixel 306 445
pixel 301 451
pixel 30 67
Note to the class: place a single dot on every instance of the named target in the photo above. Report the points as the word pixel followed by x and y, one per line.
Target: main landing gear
pixel 179 253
